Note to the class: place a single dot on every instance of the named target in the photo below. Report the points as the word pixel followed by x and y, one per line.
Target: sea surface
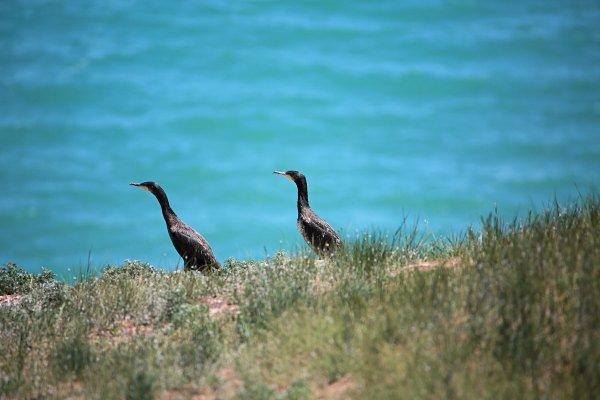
pixel 434 111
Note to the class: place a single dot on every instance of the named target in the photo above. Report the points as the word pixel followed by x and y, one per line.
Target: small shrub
pixel 273 288
pixel 71 356
pixel 141 386
pixel 14 349
pixel 256 390
pixel 189 316
pixel 51 294
pixel 174 299
pixel 201 337
pixel 298 390
pixel 368 254
pixel 131 269
pixel 15 280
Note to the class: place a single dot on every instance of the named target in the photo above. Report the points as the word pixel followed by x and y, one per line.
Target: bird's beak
pixel 283 174
pixel 139 185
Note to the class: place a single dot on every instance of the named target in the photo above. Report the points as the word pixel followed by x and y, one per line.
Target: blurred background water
pixel 435 110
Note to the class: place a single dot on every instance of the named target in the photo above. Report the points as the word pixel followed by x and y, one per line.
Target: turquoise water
pixel 431 110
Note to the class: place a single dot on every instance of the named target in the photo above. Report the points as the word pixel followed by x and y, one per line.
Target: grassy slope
pixel 515 313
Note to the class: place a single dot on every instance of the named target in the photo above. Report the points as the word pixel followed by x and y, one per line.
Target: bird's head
pixel 294 176
pixel 299 179
pixel 152 187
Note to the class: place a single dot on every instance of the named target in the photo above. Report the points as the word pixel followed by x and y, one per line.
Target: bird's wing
pixel 330 231
pixel 185 238
pixel 323 226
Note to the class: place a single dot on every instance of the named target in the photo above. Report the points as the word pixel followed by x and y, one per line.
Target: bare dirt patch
pixel 125 330
pixel 337 390
pixel 225 386
pixel 219 307
pixel 185 393
pixel 230 383
pixel 128 327
pixel 427 265
pixel 323 284
pixel 9 300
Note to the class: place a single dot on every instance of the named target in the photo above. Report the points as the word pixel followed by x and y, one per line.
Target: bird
pixel 315 230
pixel 192 247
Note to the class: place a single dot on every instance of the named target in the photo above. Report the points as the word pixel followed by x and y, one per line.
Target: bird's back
pixel 317 232
pixel 192 247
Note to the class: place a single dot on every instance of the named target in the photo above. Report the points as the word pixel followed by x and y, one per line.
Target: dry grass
pixel 511 311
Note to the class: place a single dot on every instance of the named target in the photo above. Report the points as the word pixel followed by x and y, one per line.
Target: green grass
pixel 514 313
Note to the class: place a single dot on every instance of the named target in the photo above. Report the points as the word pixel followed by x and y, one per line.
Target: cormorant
pixel 317 233
pixel 191 246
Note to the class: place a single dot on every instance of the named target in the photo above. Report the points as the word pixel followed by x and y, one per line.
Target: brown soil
pixel 9 300
pixel 219 307
pixel 227 384
pixel 124 330
pixel 337 390
pixel 427 265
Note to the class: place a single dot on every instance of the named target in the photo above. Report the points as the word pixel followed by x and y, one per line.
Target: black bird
pixel 317 233
pixel 191 246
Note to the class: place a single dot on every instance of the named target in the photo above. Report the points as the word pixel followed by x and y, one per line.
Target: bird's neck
pixel 168 213
pixel 302 196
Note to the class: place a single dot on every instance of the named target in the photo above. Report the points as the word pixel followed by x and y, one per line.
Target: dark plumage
pixel 317 233
pixel 191 246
